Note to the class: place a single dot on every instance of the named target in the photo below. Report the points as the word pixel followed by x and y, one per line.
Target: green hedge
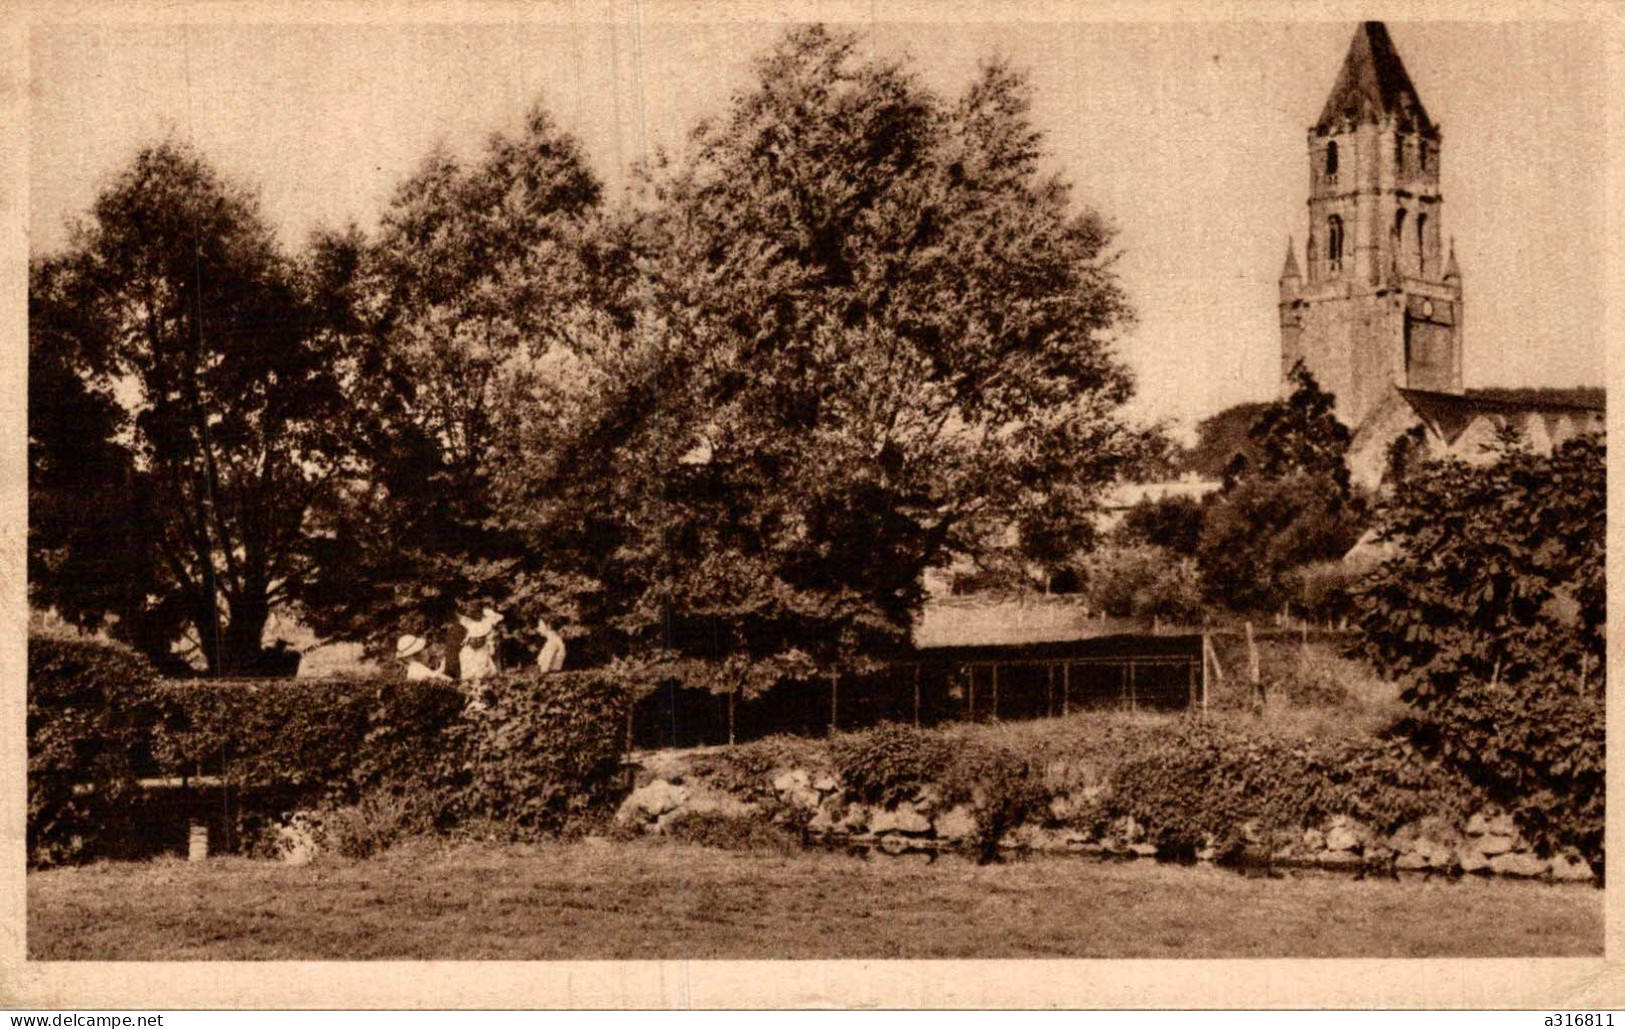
pixel 91 720
pixel 1194 783
pixel 530 752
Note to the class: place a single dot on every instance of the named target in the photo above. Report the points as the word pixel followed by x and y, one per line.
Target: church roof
pixel 1372 85
pixel 1450 413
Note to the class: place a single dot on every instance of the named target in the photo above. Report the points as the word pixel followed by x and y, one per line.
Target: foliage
pixel 870 333
pixel 476 275
pixel 90 722
pixel 1220 437
pixel 1322 592
pixel 1492 611
pixel 1172 522
pixel 1286 501
pixel 1297 433
pixel 231 396
pixel 1142 582
pixel 1205 782
pixel 888 765
pixel 535 753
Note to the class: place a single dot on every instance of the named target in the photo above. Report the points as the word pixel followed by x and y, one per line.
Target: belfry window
pixel 1331 161
pixel 1334 243
pixel 1398 247
pixel 1421 243
pixel 1399 154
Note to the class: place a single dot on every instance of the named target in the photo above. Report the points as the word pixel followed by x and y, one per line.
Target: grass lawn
pixel 669 900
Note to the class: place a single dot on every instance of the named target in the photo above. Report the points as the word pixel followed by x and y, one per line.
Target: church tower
pixel 1377 303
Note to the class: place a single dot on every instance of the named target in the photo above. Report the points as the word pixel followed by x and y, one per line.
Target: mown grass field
pixel 670 900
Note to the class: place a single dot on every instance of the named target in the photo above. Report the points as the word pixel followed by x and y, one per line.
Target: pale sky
pixel 1190 137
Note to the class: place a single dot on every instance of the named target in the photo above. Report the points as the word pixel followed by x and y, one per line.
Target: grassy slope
pixel 651 900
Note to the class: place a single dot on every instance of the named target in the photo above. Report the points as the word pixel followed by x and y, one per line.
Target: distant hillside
pixel 1584 396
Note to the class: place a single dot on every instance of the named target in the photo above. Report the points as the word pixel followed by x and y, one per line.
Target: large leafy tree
pixel 868 332
pixel 1492 610
pixel 212 403
pixel 1287 501
pixel 478 270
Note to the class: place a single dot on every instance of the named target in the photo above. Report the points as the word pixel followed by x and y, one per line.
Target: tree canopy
pixel 213 409
pixel 870 333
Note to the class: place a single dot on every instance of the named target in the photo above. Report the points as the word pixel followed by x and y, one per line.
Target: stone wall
pixel 813 802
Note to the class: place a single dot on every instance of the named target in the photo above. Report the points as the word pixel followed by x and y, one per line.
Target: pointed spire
pixel 1451 270
pixel 1290 270
pixel 1373 85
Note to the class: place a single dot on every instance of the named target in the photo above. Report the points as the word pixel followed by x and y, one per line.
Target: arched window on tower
pixel 1334 244
pixel 1399 154
pixel 1421 244
pixel 1331 162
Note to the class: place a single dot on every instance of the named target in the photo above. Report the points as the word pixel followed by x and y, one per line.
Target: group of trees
pixel 851 330
pixel 1263 541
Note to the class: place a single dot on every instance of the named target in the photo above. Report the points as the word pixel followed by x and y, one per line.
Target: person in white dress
pixel 477 660
pixel 551 659
pixel 407 648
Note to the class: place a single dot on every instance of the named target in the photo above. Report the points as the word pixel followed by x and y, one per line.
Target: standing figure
pixel 478 656
pixel 551 659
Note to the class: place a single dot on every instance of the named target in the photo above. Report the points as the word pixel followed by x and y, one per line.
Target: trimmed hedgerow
pixel 90 725
pixel 1199 783
pixel 529 752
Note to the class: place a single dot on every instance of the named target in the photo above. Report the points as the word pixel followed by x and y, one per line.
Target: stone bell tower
pixel 1377 303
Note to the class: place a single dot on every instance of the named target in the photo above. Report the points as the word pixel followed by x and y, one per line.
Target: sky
pixel 1189 136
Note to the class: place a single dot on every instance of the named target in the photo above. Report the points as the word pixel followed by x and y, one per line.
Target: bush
pixel 1203 782
pixel 1492 612
pixel 1142 582
pixel 535 753
pixel 889 764
pixel 91 717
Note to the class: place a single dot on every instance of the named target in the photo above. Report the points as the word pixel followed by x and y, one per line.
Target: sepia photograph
pixel 624 482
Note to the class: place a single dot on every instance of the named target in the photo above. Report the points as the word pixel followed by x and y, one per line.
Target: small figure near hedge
pixel 477 659
pixel 551 659
pixel 407 648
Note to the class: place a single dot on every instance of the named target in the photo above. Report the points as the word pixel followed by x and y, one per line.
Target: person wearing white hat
pixel 477 658
pixel 406 649
pixel 551 659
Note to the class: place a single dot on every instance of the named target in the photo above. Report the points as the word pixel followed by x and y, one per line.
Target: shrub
pixel 537 751
pixel 1174 523
pixel 1203 782
pixel 91 718
pixel 1491 611
pixel 370 826
pixel 891 763
pixel 1143 582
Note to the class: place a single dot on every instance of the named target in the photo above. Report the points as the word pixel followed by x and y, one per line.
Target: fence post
pixel 834 702
pixel 1252 670
pixel 1191 670
pixel 995 692
pixel 1207 649
pixel 970 694
pixel 916 694
pixel 1132 703
pixel 1066 687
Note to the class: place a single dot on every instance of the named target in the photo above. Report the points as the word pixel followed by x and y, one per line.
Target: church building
pixel 1376 309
